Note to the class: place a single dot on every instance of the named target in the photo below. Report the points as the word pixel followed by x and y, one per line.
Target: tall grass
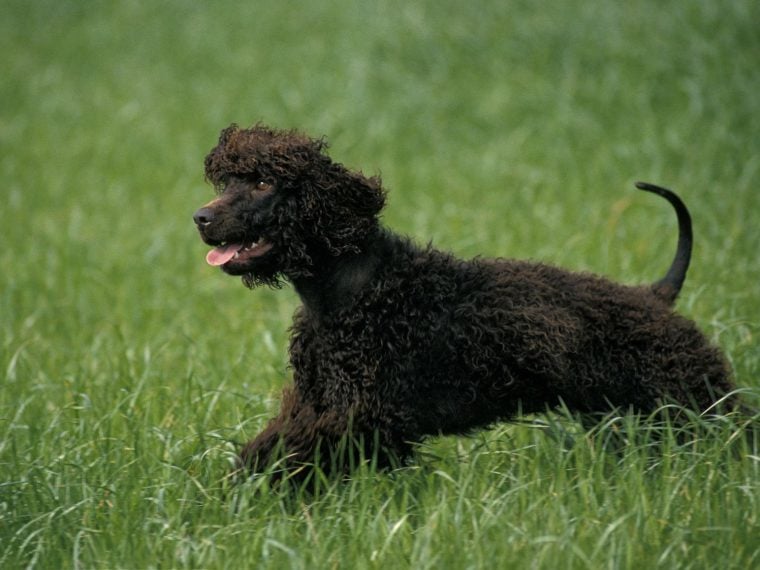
pixel 130 371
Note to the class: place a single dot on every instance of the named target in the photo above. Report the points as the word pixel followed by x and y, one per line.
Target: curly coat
pixel 395 342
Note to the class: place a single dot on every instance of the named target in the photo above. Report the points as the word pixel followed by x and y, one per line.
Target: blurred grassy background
pixel 510 129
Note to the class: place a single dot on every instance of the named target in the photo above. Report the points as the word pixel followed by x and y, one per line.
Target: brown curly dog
pixel 395 342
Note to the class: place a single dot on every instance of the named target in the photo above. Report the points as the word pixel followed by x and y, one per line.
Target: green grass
pixel 130 371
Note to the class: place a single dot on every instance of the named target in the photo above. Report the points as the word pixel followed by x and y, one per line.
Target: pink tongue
pixel 221 255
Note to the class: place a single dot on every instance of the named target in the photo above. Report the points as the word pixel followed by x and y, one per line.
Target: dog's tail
pixel 669 286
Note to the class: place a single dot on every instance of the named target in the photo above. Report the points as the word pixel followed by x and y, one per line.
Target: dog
pixel 395 342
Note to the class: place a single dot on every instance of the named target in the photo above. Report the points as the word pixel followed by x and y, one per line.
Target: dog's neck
pixel 337 280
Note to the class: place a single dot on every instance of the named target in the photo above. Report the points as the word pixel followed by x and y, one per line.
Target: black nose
pixel 203 216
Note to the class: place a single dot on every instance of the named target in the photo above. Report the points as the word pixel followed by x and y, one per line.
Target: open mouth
pixel 236 252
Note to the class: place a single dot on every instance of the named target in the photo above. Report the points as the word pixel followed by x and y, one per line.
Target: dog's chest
pixel 335 359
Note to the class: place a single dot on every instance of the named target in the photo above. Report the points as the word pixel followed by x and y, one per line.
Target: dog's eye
pixel 263 185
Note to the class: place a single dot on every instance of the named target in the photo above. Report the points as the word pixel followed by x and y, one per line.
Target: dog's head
pixel 283 206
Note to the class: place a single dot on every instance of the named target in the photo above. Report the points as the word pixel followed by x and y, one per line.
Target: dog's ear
pixel 338 207
pixel 363 197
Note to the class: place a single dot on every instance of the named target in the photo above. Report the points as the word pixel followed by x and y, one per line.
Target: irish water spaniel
pixel 395 342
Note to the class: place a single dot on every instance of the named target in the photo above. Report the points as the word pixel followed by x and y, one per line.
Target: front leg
pixel 301 437
pixel 289 438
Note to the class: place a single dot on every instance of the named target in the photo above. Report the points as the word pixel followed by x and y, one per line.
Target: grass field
pixel 130 371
